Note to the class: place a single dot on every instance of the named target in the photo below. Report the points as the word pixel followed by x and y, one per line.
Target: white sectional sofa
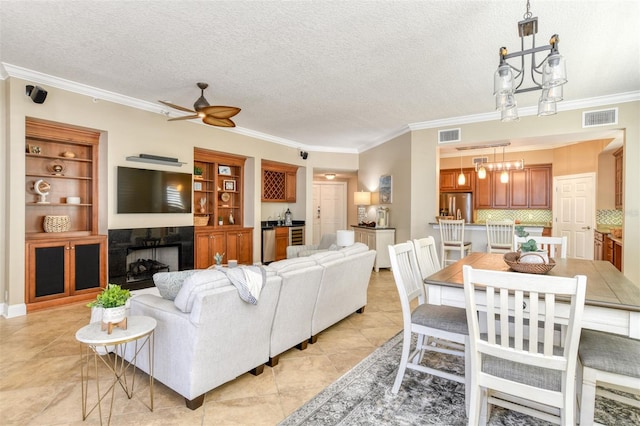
pixel 208 335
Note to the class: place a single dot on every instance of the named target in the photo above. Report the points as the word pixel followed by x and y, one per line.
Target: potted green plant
pixel 197 172
pixel 112 300
pixel 529 253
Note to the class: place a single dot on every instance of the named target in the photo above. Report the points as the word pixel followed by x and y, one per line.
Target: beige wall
pixel 129 132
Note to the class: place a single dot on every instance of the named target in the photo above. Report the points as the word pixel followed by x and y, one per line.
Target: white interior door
pixel 330 208
pixel 573 211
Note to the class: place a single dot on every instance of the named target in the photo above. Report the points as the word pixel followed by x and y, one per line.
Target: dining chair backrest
pixel 555 246
pixel 509 357
pixel 500 236
pixel 404 267
pixel 452 231
pixel 426 256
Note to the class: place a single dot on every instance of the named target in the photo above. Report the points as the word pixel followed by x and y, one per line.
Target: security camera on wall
pixel 304 154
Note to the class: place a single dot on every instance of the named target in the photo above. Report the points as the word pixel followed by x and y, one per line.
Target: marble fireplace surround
pixel 136 253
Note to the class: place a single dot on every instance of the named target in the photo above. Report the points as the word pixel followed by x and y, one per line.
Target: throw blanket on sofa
pixel 249 281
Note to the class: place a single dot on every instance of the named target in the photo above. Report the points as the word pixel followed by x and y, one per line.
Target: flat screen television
pixel 153 191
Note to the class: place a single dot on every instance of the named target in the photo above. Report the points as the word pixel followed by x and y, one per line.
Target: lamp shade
pixel 554 71
pixel 362 198
pixel 345 238
pixel 503 80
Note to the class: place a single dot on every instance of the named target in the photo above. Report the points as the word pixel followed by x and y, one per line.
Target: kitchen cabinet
pixel 608 249
pixel 617 255
pixel 378 240
pixel 282 241
pixel 66 263
pixel 64 271
pixel 449 180
pixel 527 188
pixel 278 182
pixel 236 244
pixel 619 163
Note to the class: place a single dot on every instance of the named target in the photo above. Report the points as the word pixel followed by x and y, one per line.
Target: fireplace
pixel 136 254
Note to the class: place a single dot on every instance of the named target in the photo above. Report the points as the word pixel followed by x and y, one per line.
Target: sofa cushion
pixel 169 283
pixel 354 249
pixel 326 256
pixel 290 264
pixel 204 280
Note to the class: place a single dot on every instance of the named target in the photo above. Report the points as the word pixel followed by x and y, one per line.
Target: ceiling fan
pixel 213 115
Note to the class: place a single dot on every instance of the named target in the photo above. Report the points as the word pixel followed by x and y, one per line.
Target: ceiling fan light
pixel 554 71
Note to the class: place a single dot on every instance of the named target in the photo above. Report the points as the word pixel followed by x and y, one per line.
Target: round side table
pixel 96 342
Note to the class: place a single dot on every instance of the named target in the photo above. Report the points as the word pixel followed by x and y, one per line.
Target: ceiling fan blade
pixel 186 117
pixel 220 122
pixel 219 111
pixel 178 107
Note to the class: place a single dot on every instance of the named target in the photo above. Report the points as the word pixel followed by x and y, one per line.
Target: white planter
pixel 540 256
pixel 114 315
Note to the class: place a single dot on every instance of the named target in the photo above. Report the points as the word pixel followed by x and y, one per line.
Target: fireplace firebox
pixel 136 254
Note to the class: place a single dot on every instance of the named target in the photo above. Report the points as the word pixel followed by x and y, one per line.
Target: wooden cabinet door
pixel 617 256
pixel 540 187
pixel 290 187
pixel 47 270
pixel 468 180
pixel 240 246
pixel 500 192
pixel 448 180
pixel 483 192
pixel 282 241
pixel 88 264
pixel 608 249
pixel 518 188
pixel 207 244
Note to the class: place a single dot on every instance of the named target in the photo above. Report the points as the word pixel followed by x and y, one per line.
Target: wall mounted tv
pixel 153 191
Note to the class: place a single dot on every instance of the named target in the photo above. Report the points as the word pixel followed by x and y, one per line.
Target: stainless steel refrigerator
pixel 457 204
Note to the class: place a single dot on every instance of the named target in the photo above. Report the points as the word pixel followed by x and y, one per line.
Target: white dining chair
pixel 452 239
pixel 609 361
pixel 500 236
pixel 427 256
pixel 555 246
pixel 515 366
pixel 443 324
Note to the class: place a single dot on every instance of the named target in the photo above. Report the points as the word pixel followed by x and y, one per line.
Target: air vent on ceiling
pixel 480 160
pixel 450 135
pixel 603 117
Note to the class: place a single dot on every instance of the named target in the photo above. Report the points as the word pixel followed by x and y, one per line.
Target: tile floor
pixel 40 371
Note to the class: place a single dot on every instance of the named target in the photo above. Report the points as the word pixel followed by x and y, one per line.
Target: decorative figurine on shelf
pixel 42 188
pixel 56 168
pixel 203 201
pixel 218 258
pixel 231 219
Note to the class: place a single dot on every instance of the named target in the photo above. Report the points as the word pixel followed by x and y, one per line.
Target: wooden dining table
pixel 612 301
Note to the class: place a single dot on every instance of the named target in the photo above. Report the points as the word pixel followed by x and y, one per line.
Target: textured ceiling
pixel 340 75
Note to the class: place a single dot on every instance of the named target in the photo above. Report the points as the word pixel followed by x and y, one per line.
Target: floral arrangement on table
pixel 218 258
pixel 529 253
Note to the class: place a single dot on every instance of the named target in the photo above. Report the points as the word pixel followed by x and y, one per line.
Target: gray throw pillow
pixel 170 283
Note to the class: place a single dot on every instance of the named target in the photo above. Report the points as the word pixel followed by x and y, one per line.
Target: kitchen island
pixel 476 233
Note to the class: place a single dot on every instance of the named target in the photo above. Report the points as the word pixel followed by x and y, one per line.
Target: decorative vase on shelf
pixel 231 219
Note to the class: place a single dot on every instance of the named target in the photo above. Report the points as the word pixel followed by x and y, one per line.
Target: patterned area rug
pixel 363 397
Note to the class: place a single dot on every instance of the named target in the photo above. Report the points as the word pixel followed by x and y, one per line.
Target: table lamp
pixel 345 238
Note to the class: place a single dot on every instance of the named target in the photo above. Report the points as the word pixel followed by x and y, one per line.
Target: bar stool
pixel 500 236
pixel 452 239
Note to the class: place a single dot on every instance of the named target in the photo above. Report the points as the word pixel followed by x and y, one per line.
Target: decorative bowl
pixel 512 259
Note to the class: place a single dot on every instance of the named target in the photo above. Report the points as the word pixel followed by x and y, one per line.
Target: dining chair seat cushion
pixel 608 352
pixel 466 243
pixel 444 318
pixel 527 374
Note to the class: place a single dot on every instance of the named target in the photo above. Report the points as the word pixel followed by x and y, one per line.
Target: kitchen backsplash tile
pixel 609 217
pixel 524 216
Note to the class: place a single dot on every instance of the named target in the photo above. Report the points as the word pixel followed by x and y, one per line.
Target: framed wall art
pixel 229 185
pixel 197 186
pixel 385 189
pixel 224 170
